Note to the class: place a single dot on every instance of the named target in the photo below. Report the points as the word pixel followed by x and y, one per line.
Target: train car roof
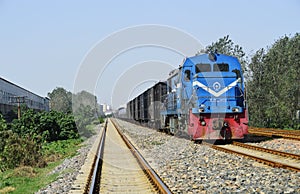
pixel 158 83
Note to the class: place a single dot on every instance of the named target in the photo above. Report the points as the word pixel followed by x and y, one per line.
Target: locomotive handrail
pixel 170 103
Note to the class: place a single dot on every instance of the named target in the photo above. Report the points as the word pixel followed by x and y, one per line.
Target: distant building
pixel 11 94
pixel 105 109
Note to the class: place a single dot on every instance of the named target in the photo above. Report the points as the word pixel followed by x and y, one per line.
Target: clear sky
pixel 43 44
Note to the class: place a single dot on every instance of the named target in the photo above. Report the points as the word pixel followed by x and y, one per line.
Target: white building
pixel 105 109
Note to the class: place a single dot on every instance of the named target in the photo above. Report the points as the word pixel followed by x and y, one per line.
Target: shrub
pixel 46 126
pixel 16 151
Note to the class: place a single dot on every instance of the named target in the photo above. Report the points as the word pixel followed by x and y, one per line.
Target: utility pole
pixel 18 100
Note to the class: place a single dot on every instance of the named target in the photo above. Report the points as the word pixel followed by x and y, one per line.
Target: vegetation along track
pixel 288 134
pixel 122 168
pixel 269 157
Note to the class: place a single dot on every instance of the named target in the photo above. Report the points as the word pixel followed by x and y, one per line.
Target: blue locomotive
pixel 204 98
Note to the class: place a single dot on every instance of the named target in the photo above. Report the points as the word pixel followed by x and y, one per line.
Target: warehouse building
pixel 11 95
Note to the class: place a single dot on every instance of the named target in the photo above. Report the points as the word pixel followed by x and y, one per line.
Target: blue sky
pixel 43 43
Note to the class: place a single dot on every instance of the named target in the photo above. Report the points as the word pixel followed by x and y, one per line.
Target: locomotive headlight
pixel 235 109
pixel 203 123
pixel 225 124
pixel 201 109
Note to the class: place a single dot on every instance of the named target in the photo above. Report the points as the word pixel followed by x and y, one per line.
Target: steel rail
pixel 92 185
pixel 273 133
pixel 160 185
pixel 256 158
pixel 295 132
pixel 276 152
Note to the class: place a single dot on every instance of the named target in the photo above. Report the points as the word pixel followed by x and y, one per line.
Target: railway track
pixel 266 156
pixel 288 134
pixel 119 167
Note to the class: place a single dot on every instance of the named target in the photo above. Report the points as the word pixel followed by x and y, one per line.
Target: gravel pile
pixel 187 167
pixel 68 170
pixel 284 145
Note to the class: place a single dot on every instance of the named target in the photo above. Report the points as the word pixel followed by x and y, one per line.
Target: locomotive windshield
pixel 224 67
pixel 203 68
pixel 217 67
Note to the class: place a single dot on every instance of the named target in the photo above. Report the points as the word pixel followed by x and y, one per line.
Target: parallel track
pixel 120 167
pixel 266 156
pixel 276 152
pixel 288 134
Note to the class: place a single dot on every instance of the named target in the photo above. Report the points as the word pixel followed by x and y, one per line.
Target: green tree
pixel 85 110
pixel 257 98
pixel 61 100
pixel 274 86
pixel 226 46
pixel 84 98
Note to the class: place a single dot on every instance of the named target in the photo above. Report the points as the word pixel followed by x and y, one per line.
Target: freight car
pixel 146 108
pixel 204 98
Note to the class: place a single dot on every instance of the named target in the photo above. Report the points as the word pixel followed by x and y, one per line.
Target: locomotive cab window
pixel 237 72
pixel 203 68
pixel 187 75
pixel 224 67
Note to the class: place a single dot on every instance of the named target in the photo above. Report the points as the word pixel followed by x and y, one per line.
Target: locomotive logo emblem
pixel 216 86
pixel 216 92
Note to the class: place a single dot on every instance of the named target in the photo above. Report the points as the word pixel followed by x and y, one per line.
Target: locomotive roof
pixel 219 58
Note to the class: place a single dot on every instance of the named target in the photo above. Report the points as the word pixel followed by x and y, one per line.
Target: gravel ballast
pixel 69 169
pixel 187 167
pixel 285 145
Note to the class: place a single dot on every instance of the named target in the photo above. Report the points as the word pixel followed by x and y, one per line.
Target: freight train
pixel 204 98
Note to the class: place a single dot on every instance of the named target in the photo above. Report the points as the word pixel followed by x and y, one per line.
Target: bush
pixel 101 119
pixel 21 141
pixel 46 126
pixel 3 124
pixel 16 151
pixel 62 148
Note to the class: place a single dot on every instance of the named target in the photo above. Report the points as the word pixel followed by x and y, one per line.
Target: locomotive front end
pixel 217 106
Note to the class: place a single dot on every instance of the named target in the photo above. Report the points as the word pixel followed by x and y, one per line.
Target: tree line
pixel 25 141
pixel 83 106
pixel 272 80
